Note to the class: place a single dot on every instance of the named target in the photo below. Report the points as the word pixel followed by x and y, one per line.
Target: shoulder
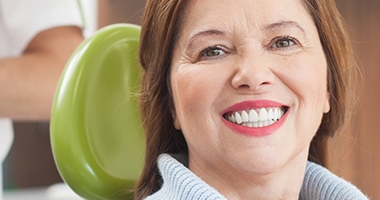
pixel 320 183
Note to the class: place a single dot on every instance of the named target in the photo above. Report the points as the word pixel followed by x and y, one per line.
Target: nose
pixel 253 74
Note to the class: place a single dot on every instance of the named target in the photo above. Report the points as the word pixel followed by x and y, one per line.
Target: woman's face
pixel 249 83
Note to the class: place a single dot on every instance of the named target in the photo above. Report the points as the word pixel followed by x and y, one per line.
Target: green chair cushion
pixel 96 134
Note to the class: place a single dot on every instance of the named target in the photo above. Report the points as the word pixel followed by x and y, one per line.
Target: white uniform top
pixel 21 21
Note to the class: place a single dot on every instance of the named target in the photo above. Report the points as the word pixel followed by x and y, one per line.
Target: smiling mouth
pixel 259 117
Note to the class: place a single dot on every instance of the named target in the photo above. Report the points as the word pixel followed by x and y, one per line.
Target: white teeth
pixel 270 114
pixel 233 118
pixel 260 124
pixel 244 116
pixel 281 113
pixel 253 116
pixel 276 114
pixel 265 123
pixel 263 115
pixel 256 118
pixel 238 118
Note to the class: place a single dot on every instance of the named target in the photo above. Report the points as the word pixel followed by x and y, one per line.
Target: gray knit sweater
pixel 181 184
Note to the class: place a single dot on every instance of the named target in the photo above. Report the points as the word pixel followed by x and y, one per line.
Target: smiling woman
pixel 246 92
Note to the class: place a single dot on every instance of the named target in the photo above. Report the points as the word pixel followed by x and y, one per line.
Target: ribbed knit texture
pixel 319 183
pixel 181 184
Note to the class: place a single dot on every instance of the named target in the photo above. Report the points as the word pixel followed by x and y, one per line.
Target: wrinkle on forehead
pixel 247 18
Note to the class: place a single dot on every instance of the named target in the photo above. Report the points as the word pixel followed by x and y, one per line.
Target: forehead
pixel 244 15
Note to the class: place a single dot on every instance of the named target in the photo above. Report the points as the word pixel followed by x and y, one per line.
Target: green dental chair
pixel 96 134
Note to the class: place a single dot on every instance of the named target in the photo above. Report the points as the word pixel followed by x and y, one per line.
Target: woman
pixel 237 95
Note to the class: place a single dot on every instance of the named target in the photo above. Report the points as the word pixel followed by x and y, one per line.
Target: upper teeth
pixel 256 117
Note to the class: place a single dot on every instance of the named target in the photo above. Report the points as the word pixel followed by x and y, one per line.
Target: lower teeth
pixel 258 124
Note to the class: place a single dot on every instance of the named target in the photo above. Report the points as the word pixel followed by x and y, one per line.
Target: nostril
pixel 265 83
pixel 244 86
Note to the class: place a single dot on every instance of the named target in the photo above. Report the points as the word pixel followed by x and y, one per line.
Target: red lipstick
pixel 255 131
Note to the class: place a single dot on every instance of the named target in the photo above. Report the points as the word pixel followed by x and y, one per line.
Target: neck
pixel 284 183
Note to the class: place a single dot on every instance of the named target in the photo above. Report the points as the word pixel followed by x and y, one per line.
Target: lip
pixel 254 131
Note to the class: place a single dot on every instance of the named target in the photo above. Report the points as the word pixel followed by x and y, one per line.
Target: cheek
pixel 196 92
pixel 309 84
pixel 308 80
pixel 189 87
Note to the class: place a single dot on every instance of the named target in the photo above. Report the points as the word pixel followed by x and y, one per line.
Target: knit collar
pixel 180 183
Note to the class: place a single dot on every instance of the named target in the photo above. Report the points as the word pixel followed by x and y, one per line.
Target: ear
pixel 176 123
pixel 326 105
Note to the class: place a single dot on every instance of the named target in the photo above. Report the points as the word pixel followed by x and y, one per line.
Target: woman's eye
pixel 283 42
pixel 211 52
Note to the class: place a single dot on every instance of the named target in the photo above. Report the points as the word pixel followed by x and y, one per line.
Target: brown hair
pixel 341 67
pixel 160 29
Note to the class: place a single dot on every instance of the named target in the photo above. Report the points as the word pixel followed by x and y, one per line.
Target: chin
pixel 258 164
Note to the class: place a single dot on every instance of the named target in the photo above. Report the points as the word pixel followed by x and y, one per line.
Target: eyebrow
pixel 270 27
pixel 208 32
pixel 284 24
pixel 204 33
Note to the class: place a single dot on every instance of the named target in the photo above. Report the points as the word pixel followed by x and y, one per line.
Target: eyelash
pixel 202 53
pixel 286 38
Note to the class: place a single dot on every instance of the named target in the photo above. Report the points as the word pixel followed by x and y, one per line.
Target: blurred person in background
pixel 36 40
